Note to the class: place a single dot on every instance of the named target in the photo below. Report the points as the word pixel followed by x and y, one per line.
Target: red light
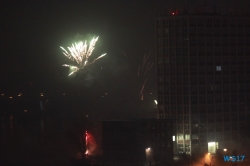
pixel 173 13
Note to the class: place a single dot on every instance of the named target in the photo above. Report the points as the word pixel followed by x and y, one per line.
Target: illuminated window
pixel 180 137
pixel 218 68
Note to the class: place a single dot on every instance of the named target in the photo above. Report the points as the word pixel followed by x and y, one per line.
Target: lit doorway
pixel 212 147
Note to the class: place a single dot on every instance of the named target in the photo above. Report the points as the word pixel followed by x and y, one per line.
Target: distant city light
pixel 156 102
pixel 173 138
pixel 2 94
pixel 41 94
pixel 224 150
pixel 63 94
pixel 25 110
pixel 10 97
pixel 148 148
pixel 19 94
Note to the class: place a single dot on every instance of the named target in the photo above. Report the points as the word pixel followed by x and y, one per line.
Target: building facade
pixel 203 69
pixel 137 142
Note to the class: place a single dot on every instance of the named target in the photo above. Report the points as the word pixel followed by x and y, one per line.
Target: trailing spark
pixel 142 72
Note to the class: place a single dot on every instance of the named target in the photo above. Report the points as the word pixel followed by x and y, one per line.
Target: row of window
pixel 203 59
pixel 210 135
pixel 222 31
pixel 204 88
pixel 204 126
pixel 230 21
pixel 210 68
pixel 209 78
pixel 202 108
pixel 216 40
pixel 209 116
pixel 204 50
pixel 202 31
pixel 209 97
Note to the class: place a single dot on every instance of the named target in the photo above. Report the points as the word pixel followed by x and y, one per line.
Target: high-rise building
pixel 203 69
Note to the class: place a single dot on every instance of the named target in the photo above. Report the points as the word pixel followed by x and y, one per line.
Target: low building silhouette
pixel 136 142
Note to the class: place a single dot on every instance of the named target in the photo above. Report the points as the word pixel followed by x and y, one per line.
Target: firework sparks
pixel 80 53
pixel 142 72
pixel 90 143
pixel 123 52
pixel 143 86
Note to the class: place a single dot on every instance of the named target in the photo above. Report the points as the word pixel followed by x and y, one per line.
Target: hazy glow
pixel 80 53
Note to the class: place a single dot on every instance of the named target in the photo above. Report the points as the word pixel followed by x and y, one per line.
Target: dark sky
pixel 33 31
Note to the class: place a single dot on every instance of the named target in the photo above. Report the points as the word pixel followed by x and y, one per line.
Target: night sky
pixel 32 33
pixel 31 63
